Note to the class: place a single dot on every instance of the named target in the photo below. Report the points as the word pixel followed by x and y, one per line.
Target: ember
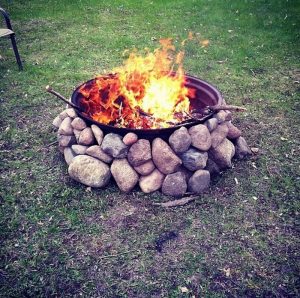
pixel 146 92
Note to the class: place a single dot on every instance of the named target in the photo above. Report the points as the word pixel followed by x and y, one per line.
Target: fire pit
pixel 149 125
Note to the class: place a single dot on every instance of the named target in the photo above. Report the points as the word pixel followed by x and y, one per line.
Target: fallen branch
pixel 175 203
pixel 227 108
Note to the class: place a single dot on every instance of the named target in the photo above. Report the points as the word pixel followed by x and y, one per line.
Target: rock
pixel 66 141
pixel 113 145
pixel 77 134
pixel 69 155
pixel 86 137
pixel 97 152
pixel 71 112
pixel 78 123
pixel 98 133
pixel 187 173
pixel 139 153
pixel 200 137
pixel 211 124
pixel 199 181
pixel 63 115
pixel 151 182
pixel 174 185
pixel 233 131
pixel 146 168
pixel 223 154
pixel 218 135
pixel 89 171
pixel 79 149
pixel 212 167
pixel 194 160
pixel 241 148
pixel 124 175
pixel 164 158
pixel 65 127
pixel 180 140
pixel 57 122
pixel 130 138
pixel 221 116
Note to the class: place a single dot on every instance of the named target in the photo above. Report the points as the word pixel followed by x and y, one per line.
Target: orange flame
pixel 145 92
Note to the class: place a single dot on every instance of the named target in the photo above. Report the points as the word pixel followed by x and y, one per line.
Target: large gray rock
pixel 174 185
pixel 130 138
pixel 79 149
pixel 211 124
pixel 241 148
pixel 233 131
pixel 97 152
pixel 66 141
pixel 139 153
pixel 113 145
pixel 200 137
pixel 69 155
pixel 65 127
pixel 218 135
pixel 223 154
pixel 124 175
pixel 151 182
pixel 180 140
pixel 98 133
pixel 89 171
pixel 193 159
pixel 199 181
pixel 146 168
pixel 78 123
pixel 86 137
pixel 164 158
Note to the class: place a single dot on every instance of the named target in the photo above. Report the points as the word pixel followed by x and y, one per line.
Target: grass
pixel 238 240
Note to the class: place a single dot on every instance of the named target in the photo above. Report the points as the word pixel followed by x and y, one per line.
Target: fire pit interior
pixel 149 124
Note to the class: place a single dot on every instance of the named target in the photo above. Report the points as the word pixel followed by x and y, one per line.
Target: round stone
pixel 151 182
pixel 194 160
pixel 200 137
pixel 130 138
pixel 180 140
pixel 113 145
pixel 199 181
pixel 86 137
pixel 89 171
pixel 139 153
pixel 164 158
pixel 124 175
pixel 174 185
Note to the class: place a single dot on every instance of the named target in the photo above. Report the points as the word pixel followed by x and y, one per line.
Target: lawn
pixel 239 239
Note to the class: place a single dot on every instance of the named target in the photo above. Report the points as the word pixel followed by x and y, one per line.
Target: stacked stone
pixel 185 163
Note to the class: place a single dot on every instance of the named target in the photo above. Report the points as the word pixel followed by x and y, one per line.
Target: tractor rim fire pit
pixel 206 95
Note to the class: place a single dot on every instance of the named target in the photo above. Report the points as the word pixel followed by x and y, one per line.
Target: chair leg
pixel 15 48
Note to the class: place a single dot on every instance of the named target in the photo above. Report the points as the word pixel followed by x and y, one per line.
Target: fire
pixel 145 92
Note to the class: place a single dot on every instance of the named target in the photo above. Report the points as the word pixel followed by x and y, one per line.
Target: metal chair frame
pixel 12 37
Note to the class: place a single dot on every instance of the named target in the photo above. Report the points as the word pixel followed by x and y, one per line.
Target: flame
pixel 145 92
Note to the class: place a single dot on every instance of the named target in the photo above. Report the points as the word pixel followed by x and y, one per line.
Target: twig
pixel 116 255
pixel 58 95
pixel 175 203
pixel 228 108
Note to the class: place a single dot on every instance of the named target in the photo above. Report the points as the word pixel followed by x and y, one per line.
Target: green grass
pixel 60 239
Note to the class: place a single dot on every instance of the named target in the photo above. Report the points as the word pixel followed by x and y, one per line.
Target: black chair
pixel 9 32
